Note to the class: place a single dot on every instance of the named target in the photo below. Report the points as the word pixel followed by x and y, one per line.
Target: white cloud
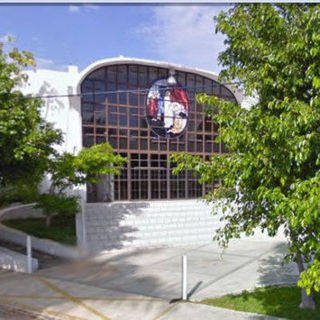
pixel 43 63
pixel 91 6
pixel 76 8
pixel 185 35
pixel 73 8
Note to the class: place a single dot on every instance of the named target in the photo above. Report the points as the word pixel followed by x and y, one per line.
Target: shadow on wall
pixel 112 225
pixel 50 104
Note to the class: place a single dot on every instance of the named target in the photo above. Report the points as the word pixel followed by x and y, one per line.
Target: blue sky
pixel 60 35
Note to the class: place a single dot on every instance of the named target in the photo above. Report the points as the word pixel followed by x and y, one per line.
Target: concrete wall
pixel 148 223
pixel 17 211
pixel 44 245
pixel 63 111
pixel 14 261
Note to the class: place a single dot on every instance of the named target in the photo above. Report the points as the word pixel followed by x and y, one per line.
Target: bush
pixel 24 193
pixel 53 204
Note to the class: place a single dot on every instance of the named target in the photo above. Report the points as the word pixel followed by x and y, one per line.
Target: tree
pixel 68 170
pixel 26 140
pixel 270 177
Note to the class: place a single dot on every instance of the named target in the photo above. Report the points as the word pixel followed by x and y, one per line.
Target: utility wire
pixel 82 94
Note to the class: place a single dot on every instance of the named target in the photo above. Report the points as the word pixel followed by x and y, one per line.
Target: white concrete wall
pixel 14 261
pixel 44 245
pixel 63 111
pixel 119 225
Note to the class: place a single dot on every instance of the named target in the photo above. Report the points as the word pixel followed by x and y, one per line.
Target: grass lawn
pixel 62 228
pixel 274 301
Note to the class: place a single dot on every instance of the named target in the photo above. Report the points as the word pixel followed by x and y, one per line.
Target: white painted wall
pixel 64 112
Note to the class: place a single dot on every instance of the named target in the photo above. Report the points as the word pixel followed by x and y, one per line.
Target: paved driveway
pixel 144 284
pixel 247 263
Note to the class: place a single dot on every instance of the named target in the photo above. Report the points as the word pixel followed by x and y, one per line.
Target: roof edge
pixel 125 60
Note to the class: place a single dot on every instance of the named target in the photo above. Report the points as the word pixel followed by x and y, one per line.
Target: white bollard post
pixel 184 277
pixel 29 254
pixel 83 221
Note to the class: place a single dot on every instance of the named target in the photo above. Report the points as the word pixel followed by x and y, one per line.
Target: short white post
pixel 83 221
pixel 184 277
pixel 29 254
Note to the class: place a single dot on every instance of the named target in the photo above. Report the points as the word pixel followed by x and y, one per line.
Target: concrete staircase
pixel 148 223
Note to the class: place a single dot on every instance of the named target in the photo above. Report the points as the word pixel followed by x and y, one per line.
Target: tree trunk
pixel 306 300
pixel 48 221
pixel 51 189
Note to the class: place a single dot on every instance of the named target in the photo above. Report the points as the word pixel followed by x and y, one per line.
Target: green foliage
pixel 310 278
pixel 273 301
pixel 62 228
pixel 98 160
pixel 270 177
pixel 20 192
pixel 57 204
pixel 67 169
pixel 26 140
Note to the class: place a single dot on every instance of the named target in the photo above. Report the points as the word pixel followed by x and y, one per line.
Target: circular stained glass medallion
pixel 167 109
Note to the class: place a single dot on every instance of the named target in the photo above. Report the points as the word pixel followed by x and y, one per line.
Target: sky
pixel 62 35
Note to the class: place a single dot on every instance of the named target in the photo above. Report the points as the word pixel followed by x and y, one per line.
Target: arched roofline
pixel 153 63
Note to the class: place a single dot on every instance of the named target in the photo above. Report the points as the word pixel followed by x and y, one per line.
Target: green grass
pixel 274 301
pixel 62 228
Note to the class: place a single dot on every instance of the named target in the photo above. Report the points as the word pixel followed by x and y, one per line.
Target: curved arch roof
pixel 153 63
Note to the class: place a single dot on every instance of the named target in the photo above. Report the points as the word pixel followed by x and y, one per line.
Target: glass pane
pixel 87 117
pixel 133 74
pixel 122 74
pixel 144 144
pixel 112 119
pixel 112 97
pixel 133 143
pixel 100 139
pixel 122 97
pixel 153 75
pixel 88 141
pixel 122 120
pixel 111 74
pixel 97 75
pixel 133 121
pixel 113 142
pixel 142 76
pixel 123 143
pixel 133 99
pixel 100 118
pixel 87 86
pixel 86 130
pixel 100 131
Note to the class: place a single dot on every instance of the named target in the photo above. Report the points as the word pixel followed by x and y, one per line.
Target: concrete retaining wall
pixel 44 245
pixel 15 261
pixel 18 211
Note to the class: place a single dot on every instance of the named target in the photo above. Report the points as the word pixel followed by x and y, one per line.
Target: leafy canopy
pixel 26 140
pixel 271 175
pixel 87 167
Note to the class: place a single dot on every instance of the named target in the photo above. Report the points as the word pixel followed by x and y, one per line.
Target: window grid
pixel 120 119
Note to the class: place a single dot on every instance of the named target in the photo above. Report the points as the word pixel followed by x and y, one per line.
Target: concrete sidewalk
pixel 60 300
pixel 142 284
